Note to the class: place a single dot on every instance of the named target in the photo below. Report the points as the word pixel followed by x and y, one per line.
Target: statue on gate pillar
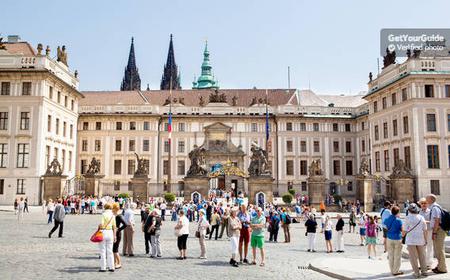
pixel 258 162
pixel 54 169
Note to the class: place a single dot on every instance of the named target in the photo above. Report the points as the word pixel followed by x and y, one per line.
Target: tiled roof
pixel 245 97
pixel 111 98
pixel 309 98
pixel 23 48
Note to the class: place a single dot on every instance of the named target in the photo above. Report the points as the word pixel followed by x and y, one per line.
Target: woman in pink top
pixel 371 236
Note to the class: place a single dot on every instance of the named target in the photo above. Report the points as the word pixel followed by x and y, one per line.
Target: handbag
pixel 97 237
pixel 197 234
pixel 404 237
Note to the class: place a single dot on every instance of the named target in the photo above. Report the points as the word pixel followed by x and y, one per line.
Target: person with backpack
pixel 385 213
pixel 371 237
pixel 439 223
pixel 285 223
pixel 274 226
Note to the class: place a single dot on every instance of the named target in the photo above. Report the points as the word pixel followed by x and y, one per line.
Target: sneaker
pixel 158 256
pixel 309 250
pixel 235 264
pixel 202 257
pixel 232 261
pixel 111 270
pixel 245 261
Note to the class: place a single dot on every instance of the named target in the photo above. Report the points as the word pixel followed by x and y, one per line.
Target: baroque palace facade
pixel 403 118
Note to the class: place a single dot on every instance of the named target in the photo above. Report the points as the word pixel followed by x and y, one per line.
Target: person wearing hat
pixel 426 214
pixel 203 224
pixel 155 232
pixel 415 231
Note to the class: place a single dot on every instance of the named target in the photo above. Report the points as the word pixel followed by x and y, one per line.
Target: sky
pixel 330 46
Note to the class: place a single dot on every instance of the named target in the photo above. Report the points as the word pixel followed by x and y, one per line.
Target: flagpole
pixel 267 121
pixel 169 162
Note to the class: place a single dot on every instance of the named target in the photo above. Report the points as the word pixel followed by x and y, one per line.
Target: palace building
pixel 193 140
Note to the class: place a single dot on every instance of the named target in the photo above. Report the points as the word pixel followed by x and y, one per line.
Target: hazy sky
pixel 329 45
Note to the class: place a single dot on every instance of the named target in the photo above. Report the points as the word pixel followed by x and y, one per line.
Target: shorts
pixel 257 242
pixel 362 231
pixel 328 234
pixel 245 235
pixel 385 232
pixel 371 241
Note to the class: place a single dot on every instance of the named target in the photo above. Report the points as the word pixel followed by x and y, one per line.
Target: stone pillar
pixel 316 190
pixel 364 192
pixel 402 189
pixel 258 184
pixel 53 186
pixel 197 184
pixel 92 185
pixel 140 187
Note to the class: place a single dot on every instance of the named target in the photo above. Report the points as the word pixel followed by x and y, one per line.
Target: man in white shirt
pixel 426 214
pixel 438 234
pixel 128 216
pixel 163 208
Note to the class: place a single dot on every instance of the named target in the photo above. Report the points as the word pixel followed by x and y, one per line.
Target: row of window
pixel 131 166
pixel 57 127
pixel 24 123
pixel 429 92
pixel 315 127
pixel 394 128
pixel 181 147
pixel 6 88
pixel 20 186
pixel 316 146
pixel 23 155
pixel 304 167
pixel 59 99
pixel 396 154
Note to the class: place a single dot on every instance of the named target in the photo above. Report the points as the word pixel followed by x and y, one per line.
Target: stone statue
pixel 254 101
pixel 364 168
pixel 181 100
pixel 62 55
pixel 258 162
pixel 202 101
pixel 40 48
pixel 197 157
pixel 234 100
pixel 315 169
pixel 142 168
pixel 54 168
pixel 47 50
pixel 2 45
pixel 167 101
pixel 400 170
pixel 215 97
pixel 76 74
pixel 94 167
pixel 370 76
pixel 389 58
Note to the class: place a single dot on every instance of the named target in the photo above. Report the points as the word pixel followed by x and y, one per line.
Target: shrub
pixel 287 198
pixel 124 195
pixel 169 197
pixel 292 191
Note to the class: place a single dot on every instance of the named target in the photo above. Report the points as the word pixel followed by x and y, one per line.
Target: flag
pixel 267 116
pixel 169 126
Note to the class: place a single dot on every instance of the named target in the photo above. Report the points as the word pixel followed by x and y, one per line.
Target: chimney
pixel 13 38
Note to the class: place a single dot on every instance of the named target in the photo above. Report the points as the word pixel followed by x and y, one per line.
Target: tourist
pixel 233 231
pixel 174 214
pixel 257 238
pixel 328 230
pixel 394 228
pixel 58 216
pixel 385 213
pixel 120 225
pixel 426 213
pixel 362 227
pixel 438 234
pixel 155 233
pixel 20 210
pixel 26 205
pixel 244 237
pixel 224 222
pixel 352 221
pixel 371 237
pixel 285 223
pixel 274 226
pixel 163 207
pixel 340 234
pixel 182 231
pixel 50 209
pixel 415 240
pixel 202 226
pixel 16 204
pixel 146 223
pixel 311 228
pixel 108 228
pixel 128 246
pixel 215 223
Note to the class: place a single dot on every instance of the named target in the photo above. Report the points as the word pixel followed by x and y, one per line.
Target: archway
pixel 261 199
pixel 196 197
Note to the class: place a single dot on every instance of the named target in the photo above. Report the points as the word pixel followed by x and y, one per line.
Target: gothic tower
pixel 206 79
pixel 170 74
pixel 131 80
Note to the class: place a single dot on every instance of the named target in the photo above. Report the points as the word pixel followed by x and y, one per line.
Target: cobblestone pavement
pixel 27 253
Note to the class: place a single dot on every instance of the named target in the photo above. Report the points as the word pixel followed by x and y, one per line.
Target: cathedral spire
pixel 131 79
pixel 206 79
pixel 170 74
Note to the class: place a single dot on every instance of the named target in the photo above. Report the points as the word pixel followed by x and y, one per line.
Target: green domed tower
pixel 206 79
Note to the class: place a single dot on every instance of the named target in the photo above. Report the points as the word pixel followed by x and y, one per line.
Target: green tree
pixel 124 195
pixel 287 198
pixel 292 191
pixel 169 197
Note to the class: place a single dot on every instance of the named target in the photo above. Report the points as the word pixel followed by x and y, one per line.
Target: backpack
pixel 445 219
pixel 371 230
pixel 288 219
